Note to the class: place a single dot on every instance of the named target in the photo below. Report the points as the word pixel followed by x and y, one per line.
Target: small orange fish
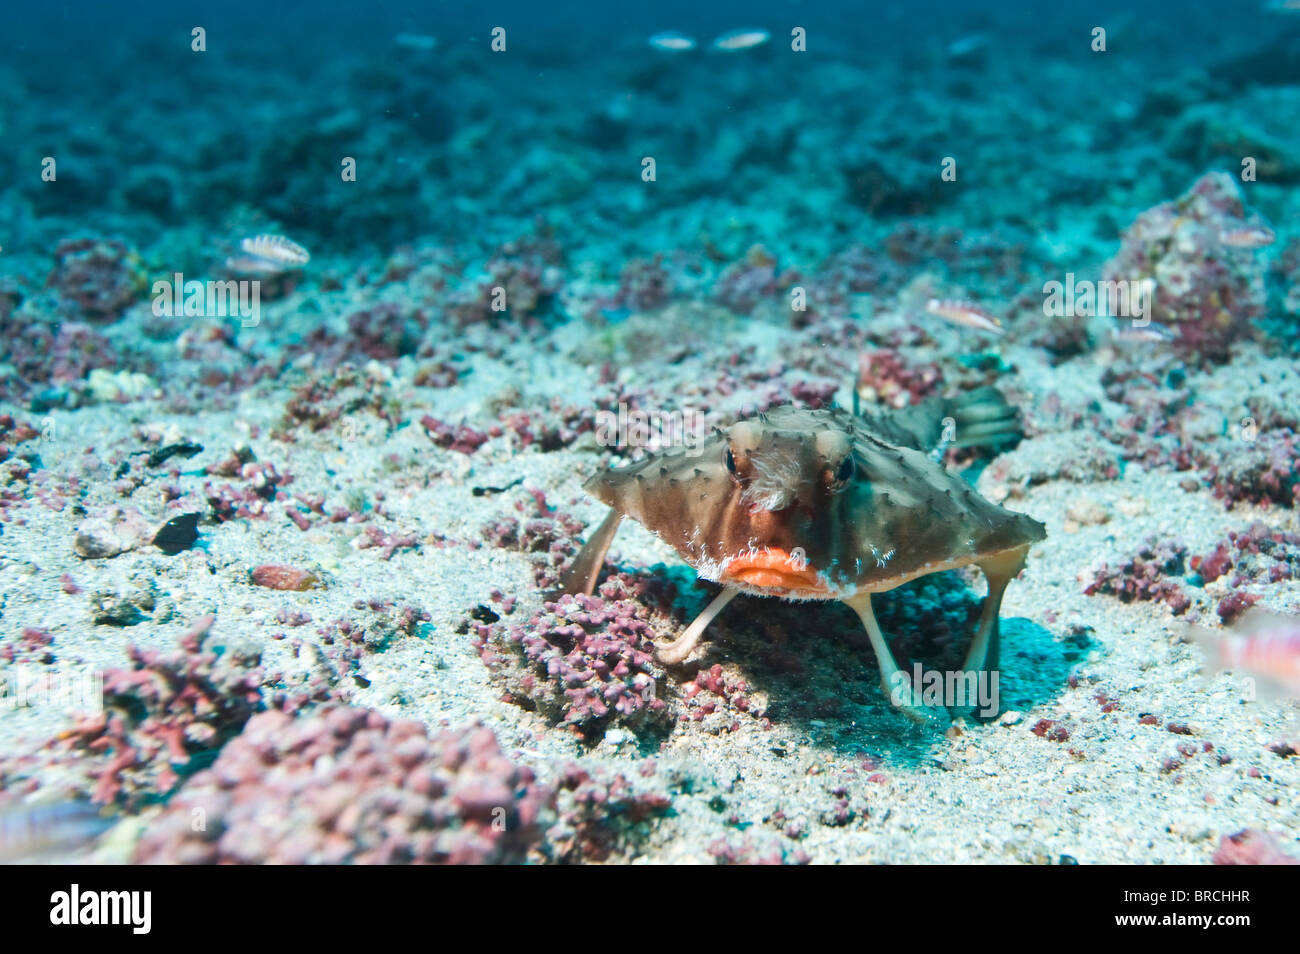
pixel 1263 645
pixel 962 312
pixel 1250 236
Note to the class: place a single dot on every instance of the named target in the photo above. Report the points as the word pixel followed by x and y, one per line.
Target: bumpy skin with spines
pixel 893 513
pixel 826 505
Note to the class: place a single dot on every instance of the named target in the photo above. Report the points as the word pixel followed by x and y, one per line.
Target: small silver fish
pixel 742 39
pixel 672 41
pixel 1150 332
pixel 32 832
pixel 966 313
pixel 1248 236
pixel 276 249
pixel 966 45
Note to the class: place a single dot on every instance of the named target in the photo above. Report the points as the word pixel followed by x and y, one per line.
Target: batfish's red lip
pixel 772 569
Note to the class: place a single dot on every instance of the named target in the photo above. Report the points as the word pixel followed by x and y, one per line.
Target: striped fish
pixel 1263 645
pixel 963 312
pixel 277 250
pixel 1250 236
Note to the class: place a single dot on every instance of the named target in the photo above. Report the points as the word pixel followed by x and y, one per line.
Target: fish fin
pixel 670 654
pixel 1252 684
pixel 984 418
pixel 979 418
pixel 581 576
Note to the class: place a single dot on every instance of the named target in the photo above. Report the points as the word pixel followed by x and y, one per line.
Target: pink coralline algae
pixel 276 576
pixel 464 440
pixel 522 279
pixel 886 378
pixel 1206 292
pixel 1234 604
pixel 1051 730
pixel 748 850
pixel 856 270
pixel 336 399
pixel 1251 847
pixel 262 486
pixel 1258 554
pixel 601 814
pixel 584 661
pixel 1152 574
pixel 1264 471
pixel 742 285
pixel 42 356
pixel 643 285
pixel 31 645
pixel 12 434
pixel 387 624
pixel 550 428
pixel 97 279
pixel 386 331
pixel 549 536
pixel 163 714
pixel 373 538
pixel 712 692
pixel 814 394
pixel 348 785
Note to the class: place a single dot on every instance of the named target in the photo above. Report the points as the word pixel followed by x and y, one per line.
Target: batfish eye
pixel 731 461
pixel 845 470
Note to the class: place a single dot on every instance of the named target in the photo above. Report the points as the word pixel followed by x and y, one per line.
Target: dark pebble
pixel 177 534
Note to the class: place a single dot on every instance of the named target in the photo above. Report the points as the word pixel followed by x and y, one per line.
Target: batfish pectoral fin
pixel 981 660
pixel 982 657
pixel 581 576
pixel 672 653
pixel 896 684
pixel 999 570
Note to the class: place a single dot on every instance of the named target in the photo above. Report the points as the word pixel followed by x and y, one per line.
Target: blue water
pixel 112 90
